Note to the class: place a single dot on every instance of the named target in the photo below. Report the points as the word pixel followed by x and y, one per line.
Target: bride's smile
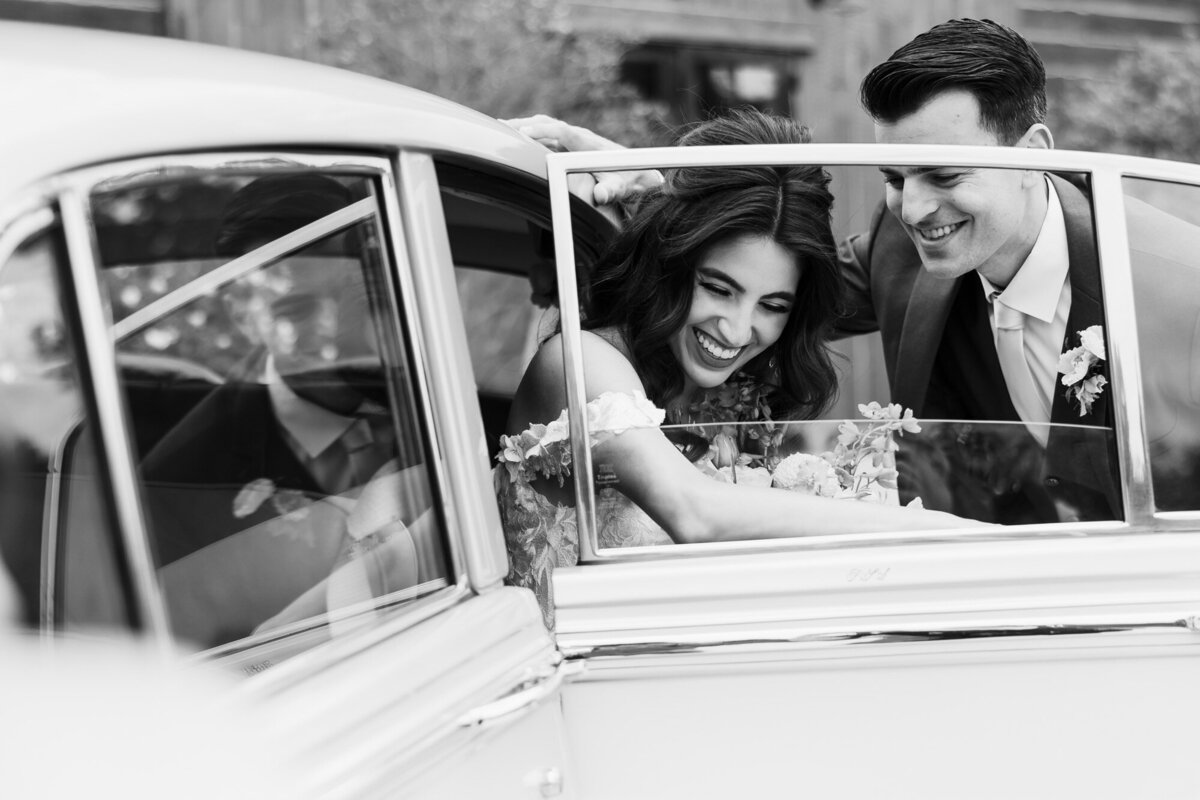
pixel 744 290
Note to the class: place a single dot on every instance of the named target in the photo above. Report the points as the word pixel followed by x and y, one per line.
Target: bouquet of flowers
pixel 863 463
pixel 744 450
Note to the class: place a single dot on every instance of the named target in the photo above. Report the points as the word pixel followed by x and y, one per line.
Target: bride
pixel 719 272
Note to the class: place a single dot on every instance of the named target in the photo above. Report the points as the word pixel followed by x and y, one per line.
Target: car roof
pixel 75 97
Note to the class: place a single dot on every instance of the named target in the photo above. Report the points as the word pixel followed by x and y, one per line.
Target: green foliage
pixel 1150 106
pixel 506 58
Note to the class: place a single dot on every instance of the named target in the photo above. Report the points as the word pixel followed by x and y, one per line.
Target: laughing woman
pixel 720 271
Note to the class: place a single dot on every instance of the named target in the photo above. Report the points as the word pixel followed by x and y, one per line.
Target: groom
pixel 979 279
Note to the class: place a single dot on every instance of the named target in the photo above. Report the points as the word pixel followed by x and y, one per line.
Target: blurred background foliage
pixel 1148 106
pixel 506 58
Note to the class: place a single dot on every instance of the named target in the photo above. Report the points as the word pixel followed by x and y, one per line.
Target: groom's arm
pixel 857 314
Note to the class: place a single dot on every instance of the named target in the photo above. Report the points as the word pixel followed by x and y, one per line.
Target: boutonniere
pixel 1081 369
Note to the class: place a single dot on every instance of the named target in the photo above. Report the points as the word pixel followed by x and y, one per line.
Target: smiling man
pixel 966 254
pixel 977 278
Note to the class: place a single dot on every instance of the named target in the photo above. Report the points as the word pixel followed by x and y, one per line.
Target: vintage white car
pixel 213 264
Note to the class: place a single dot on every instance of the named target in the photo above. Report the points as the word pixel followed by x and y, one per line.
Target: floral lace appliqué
pixel 542 534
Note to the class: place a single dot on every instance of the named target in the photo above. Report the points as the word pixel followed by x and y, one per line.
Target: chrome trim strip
pixel 100 355
pixel 127 174
pixel 839 637
pixel 543 685
pixel 243 265
pixel 50 530
pixel 1120 317
pixel 568 305
pixel 16 231
pixel 869 155
pixel 21 228
pixel 402 204
pixel 454 391
pixel 337 649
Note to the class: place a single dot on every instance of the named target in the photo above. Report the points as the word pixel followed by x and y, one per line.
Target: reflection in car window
pixel 1164 240
pixel 57 534
pixel 281 455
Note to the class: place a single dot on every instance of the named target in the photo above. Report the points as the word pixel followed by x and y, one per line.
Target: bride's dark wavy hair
pixel 643 284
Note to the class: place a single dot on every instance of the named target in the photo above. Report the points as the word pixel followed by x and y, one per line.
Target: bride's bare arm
pixel 690 506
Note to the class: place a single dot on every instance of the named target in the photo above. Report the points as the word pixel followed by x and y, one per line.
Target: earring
pixel 774 362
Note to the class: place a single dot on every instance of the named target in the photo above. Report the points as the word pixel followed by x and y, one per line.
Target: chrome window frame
pixel 31 219
pixel 72 191
pixel 1107 171
pixel 418 203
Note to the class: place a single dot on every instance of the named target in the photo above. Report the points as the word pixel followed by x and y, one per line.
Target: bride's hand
pixel 557 135
pixel 944 519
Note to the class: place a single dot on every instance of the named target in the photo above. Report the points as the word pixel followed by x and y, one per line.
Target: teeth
pixel 715 350
pixel 933 234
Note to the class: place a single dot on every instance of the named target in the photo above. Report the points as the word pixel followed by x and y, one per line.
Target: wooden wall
pixel 270 26
pixel 780 25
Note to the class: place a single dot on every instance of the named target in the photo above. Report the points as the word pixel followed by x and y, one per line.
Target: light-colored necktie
pixel 1032 407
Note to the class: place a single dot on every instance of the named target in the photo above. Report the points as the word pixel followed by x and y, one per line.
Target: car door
pixel 205 328
pixel 1045 658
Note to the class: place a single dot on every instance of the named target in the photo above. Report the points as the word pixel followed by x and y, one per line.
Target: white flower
pixel 751 476
pixel 1074 364
pixel 1093 341
pixel 807 474
pixel 1087 392
pixel 1080 368
pixel 251 496
pixel 723 450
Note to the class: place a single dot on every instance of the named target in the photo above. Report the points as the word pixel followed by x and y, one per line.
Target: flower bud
pixel 727 450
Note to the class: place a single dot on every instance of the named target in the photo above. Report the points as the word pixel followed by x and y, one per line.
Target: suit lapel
pixel 259 448
pixel 924 321
pixel 1087 307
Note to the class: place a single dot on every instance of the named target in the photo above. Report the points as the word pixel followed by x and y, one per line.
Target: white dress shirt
pixel 1041 290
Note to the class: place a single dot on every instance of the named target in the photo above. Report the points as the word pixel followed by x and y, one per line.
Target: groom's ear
pixel 1037 136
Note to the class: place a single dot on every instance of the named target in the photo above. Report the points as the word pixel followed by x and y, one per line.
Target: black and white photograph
pixel 596 399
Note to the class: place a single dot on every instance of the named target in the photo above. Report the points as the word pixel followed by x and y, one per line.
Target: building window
pixel 696 82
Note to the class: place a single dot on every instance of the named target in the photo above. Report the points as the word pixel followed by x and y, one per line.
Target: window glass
pixel 280 443
pixel 502 246
pixel 713 329
pixel 1164 241
pixel 57 535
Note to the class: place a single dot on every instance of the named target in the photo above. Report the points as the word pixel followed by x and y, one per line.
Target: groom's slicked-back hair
pixel 991 61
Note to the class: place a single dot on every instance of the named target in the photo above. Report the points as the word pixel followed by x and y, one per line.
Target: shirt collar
pixel 1035 288
pixel 314 428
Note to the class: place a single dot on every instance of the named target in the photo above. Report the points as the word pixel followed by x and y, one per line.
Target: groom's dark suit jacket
pixel 941 358
pixel 193 476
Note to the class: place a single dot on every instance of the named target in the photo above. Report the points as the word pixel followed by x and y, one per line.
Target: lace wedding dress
pixel 541 534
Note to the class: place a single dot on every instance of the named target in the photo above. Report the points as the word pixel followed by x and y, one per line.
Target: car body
pixel 1044 659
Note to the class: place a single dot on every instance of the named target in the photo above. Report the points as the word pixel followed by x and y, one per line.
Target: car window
pixel 1161 219
pixel 502 246
pixel 939 429
pixel 281 448
pixel 48 451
